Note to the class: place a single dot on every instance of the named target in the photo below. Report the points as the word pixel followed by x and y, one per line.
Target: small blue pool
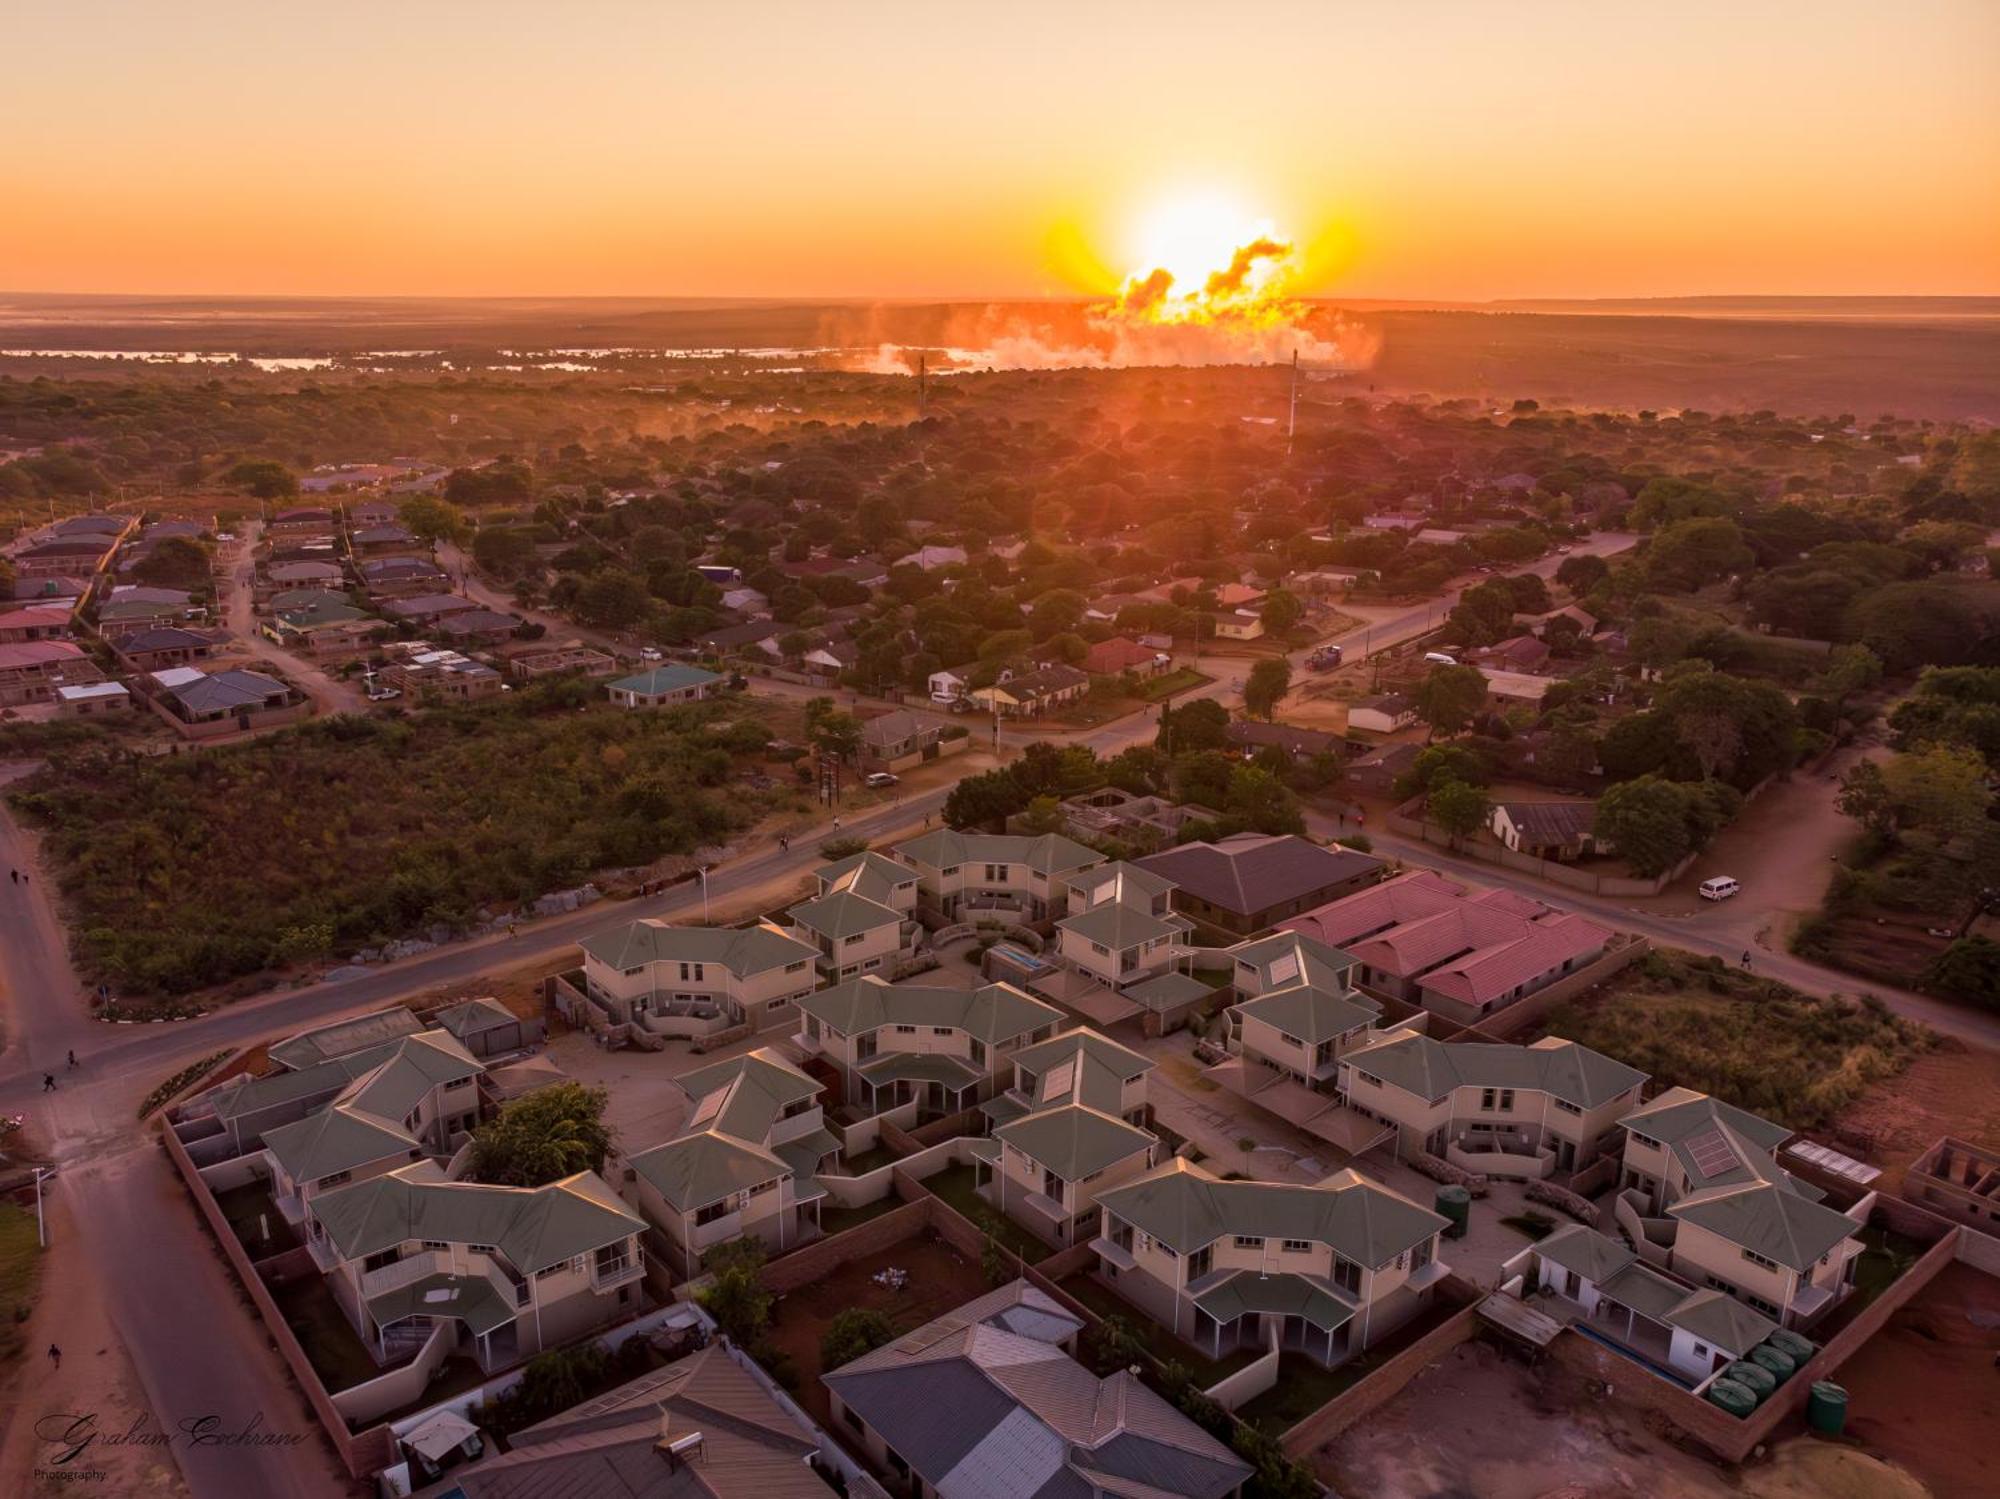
pixel 1020 957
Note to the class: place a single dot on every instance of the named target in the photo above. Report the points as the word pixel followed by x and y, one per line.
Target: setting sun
pixel 1193 236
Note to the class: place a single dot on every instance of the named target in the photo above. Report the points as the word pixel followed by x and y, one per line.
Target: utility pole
pixel 923 384
pixel 1292 424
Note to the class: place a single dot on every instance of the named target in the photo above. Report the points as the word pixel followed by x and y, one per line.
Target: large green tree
pixel 1450 697
pixel 1266 686
pixel 545 1136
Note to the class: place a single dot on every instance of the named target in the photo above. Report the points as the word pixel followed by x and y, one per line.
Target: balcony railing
pixel 608 1275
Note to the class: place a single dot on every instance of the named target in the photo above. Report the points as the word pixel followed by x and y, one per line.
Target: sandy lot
pixel 1481 1424
pixel 1925 1393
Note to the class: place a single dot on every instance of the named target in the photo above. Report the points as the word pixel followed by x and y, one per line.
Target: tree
pixel 1057 612
pixel 503 551
pixel 855 1330
pixel 1940 790
pixel 1261 802
pixel 1437 763
pixel 1969 969
pixel 1581 573
pixel 176 562
pixel 1281 611
pixel 1849 669
pixel 1266 687
pixel 545 1136
pixel 265 479
pixel 1691 554
pixel 1117 1342
pixel 1864 796
pixel 1448 698
pixel 1200 725
pixel 430 519
pixel 1712 737
pixel 832 730
pixel 1655 823
pixel 1044 815
pixel 1457 808
pixel 613 599
pixel 736 1295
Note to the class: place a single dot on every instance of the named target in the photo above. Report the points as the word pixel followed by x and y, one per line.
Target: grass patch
pixel 187 871
pixel 1761 1045
pixel 1302 1388
pixel 839 1220
pixel 954 1185
pixel 336 1354
pixel 1180 679
pixel 20 1274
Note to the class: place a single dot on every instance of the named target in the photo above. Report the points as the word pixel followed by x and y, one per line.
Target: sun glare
pixel 1191 237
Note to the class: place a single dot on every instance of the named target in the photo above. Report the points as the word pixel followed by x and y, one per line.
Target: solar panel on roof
pixel 710 1107
pixel 1712 1152
pixel 1285 969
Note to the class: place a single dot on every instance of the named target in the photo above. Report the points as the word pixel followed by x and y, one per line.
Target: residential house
pixel 283 577
pixel 1439 536
pixel 1514 687
pixel 1384 713
pixel 509 1271
pixel 168 645
pixel 36 622
pixel 386 540
pixel 994 872
pixel 931 558
pixel 661 685
pixel 1236 624
pixel 32 671
pixel 402 577
pixel 987 1400
pixel 425 609
pixel 1701 1187
pixel 533 666
pixel 946 1050
pixel 324 628
pixel 747 602
pixel 92 700
pixel 899 739
pixel 746 1166
pixel 64 557
pixel 1547 830
pixel 648 971
pixel 131 607
pixel 304 520
pixel 731 640
pixel 1618 1296
pixel 1459 952
pixel 1121 928
pixel 1252 881
pixel 475 627
pixel 854 933
pixel 946 686
pixel 1297 744
pixel 703 1427
pixel 1297 1013
pixel 1393 520
pixel 1377 771
pixel 1550 1109
pixel 344 1038
pixel 1327 1270
pixel 1071 1126
pixel 1108 658
pixel 488 1029
pixel 202 704
pixel 1519 653
pixel 1028 694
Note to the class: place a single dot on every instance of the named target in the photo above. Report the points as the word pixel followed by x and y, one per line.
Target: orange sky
pixel 1423 148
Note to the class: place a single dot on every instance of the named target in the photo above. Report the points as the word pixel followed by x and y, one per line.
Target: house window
pixel 1421 1255
pixel 383 1257
pixel 1498 1100
pixel 1368 1077
pixel 479 1249
pixel 906 1030
pixel 712 1212
pixel 1768 1308
pixel 1297 1246
pixel 691 973
pixel 996 874
pixel 1249 1241
pixel 979 1053
pixel 779 1003
pixel 1567 1108
pixel 435 1244
pixel 334 1180
pixel 1646 1140
pixel 763 1187
pixel 1289 1039
pixel 940 1030
pixel 1757 1259
pixel 1347 1275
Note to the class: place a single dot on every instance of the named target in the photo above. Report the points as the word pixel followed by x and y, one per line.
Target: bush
pixel 843 848
pixel 855 1331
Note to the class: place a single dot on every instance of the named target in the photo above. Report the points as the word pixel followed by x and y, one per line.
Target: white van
pixel 1719 888
pixel 1439 658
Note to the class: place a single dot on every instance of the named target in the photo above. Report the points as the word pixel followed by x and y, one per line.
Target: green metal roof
pixel 741 950
pixel 871 874
pixel 1074 1141
pixel 1288 1295
pixel 1117 925
pixel 1185 1208
pixel 470 1299
pixel 702 1168
pixel 1589 1253
pixel 1049 853
pixel 920 1067
pixel 991 1013
pixel 1645 1290
pixel 1430 1069
pixel 843 914
pixel 535 1227
pixel 1721 1321
pixel 345 1037
pixel 336 1139
pixel 1167 991
pixel 664 679
pixel 1312 1014
pixel 1766 1219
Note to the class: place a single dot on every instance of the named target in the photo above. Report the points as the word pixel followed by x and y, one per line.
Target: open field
pixel 20 1270
pixel 1952 1089
pixel 1796 1058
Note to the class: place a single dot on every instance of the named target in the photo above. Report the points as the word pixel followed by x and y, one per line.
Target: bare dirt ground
pixel 94 1379
pixel 1924 1391
pixel 1954 1089
pixel 1480 1424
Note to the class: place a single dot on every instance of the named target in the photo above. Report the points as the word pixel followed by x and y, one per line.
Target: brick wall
pixel 361 1453
pixel 802 1267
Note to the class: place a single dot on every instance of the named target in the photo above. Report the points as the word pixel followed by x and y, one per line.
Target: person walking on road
pixel 72 1061
pixel 55 1355
pixel 1746 957
pixel 48 1082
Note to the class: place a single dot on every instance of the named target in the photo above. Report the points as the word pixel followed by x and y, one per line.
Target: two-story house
pixel 1072 1125
pixel 1298 1012
pixel 854 932
pixel 747 1164
pixel 1551 1109
pixel 1325 1270
pixel 1701 1187
pixel 511 1270
pixel 961 875
pixel 945 1049
pixel 742 975
pixel 422 1099
pixel 1121 928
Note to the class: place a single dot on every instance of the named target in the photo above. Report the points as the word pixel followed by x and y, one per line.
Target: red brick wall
pixel 802 1267
pixel 1380 1387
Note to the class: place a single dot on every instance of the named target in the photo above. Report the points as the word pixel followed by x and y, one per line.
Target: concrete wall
pixel 400 1386
pixel 1247 1383
pixel 1381 1386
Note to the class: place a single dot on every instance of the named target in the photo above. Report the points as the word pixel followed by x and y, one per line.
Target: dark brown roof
pixel 1253 872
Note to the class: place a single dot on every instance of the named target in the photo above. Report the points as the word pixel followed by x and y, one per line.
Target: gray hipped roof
pixel 535 1227
pixel 1430 1068
pixel 741 950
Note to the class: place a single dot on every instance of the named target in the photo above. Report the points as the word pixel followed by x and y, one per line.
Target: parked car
pixel 651 653
pixel 879 780
pixel 1439 658
pixel 1719 888
pixel 1326 658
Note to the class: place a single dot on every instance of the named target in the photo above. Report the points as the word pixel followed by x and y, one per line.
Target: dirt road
pixel 329 694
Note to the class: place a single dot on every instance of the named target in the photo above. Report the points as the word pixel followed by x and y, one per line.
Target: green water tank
pixel 1732 1397
pixel 1455 1203
pixel 1755 1378
pixel 1790 1342
pixel 1779 1362
pixel 1826 1407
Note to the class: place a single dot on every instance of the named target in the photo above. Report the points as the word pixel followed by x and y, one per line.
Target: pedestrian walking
pixel 72 1061
pixel 784 844
pixel 55 1355
pixel 48 1082
pixel 1746 957
pixel 14 875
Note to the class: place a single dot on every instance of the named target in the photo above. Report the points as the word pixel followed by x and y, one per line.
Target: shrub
pixel 855 1331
